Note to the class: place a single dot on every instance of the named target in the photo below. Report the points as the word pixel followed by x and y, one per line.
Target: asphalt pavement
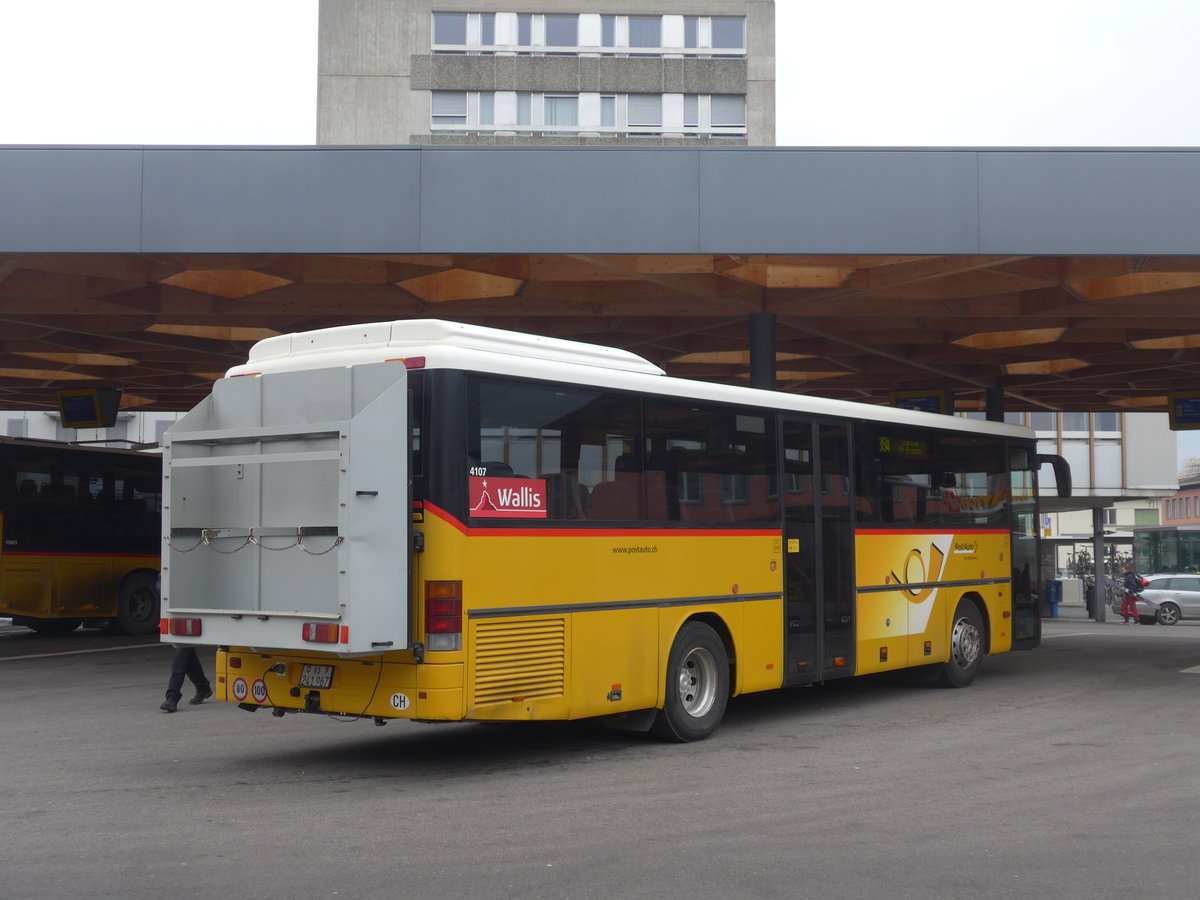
pixel 1067 771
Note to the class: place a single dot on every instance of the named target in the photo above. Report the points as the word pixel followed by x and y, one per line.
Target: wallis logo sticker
pixel 507 498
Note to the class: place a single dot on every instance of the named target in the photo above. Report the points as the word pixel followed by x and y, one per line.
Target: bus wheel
pixel 697 685
pixel 137 605
pixel 966 647
pixel 50 627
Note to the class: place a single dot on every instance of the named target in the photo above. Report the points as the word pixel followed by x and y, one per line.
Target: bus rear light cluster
pixel 185 627
pixel 443 615
pixel 320 632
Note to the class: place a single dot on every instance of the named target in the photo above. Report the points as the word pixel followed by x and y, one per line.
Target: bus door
pixel 819 550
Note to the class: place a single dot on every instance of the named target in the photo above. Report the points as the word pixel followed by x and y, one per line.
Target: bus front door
pixel 819 548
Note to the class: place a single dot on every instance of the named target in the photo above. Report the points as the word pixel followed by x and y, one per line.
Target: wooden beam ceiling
pixel 1081 333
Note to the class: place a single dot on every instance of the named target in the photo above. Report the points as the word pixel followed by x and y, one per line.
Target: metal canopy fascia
pixel 740 200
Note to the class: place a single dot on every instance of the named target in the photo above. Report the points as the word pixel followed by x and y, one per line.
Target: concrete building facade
pixel 1122 466
pixel 545 72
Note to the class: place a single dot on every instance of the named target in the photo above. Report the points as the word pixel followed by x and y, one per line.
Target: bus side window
pixel 566 498
pixel 619 499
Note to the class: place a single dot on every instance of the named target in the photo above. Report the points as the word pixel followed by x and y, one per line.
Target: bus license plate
pixel 316 676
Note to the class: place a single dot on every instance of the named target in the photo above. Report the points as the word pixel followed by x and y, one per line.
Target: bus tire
pixel 138 604
pixel 966 647
pixel 697 686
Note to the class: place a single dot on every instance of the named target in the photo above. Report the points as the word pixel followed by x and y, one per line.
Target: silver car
pixel 1167 599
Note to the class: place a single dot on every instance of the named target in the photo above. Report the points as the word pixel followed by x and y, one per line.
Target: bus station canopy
pixel 1070 279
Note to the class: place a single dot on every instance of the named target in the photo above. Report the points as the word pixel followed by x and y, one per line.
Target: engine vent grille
pixel 519 660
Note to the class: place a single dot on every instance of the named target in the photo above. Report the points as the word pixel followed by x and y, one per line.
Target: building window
pixel 487 29
pixel 728 111
pixel 608 31
pixel 1110 517
pixel 691 32
pixel 524 29
pixel 1042 421
pixel 645 110
pixel 1074 421
pixel 450 28
pixel 562 31
pixel 561 110
pixel 449 108
pixel 608 110
pixel 728 33
pixel 645 31
pixel 1106 421
pixel 691 110
pixel 18 427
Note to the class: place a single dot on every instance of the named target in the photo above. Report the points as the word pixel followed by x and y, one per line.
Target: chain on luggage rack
pixel 209 535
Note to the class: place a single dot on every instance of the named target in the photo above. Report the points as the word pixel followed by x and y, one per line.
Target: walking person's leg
pixel 179 667
pixel 1129 608
pixel 195 672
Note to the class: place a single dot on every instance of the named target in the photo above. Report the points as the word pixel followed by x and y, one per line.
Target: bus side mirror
pixel 1062 471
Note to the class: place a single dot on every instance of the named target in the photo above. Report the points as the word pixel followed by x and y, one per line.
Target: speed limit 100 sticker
pixel 239 689
pixel 258 691
pixel 399 701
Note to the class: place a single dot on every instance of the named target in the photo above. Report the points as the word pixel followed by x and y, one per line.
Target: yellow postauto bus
pixel 433 521
pixel 80 536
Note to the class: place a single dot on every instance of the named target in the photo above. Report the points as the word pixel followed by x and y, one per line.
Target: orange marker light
pixel 185 627
pixel 320 632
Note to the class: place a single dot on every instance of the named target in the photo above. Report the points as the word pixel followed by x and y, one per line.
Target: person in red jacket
pixel 1132 584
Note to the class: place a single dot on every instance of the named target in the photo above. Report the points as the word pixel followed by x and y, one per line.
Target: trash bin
pixel 1050 607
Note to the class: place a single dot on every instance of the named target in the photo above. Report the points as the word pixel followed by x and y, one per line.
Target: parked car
pixel 1166 599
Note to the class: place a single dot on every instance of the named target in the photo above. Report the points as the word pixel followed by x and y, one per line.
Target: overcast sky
pixel 849 73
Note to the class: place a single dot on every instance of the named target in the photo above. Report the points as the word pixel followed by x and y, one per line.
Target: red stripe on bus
pixel 599 532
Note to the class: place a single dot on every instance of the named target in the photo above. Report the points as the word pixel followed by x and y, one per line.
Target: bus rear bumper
pixel 343 687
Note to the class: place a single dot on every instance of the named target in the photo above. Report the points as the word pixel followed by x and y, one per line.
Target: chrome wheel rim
pixel 1168 615
pixel 697 682
pixel 966 643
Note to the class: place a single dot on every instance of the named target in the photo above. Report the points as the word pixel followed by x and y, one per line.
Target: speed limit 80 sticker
pixel 257 690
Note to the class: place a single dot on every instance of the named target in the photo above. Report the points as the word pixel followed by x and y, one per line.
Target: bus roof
pixel 454 345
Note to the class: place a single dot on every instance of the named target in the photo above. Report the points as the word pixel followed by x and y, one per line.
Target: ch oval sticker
pixel 400 701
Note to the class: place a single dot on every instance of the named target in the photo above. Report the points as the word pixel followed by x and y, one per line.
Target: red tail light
pixel 320 632
pixel 185 627
pixel 443 615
